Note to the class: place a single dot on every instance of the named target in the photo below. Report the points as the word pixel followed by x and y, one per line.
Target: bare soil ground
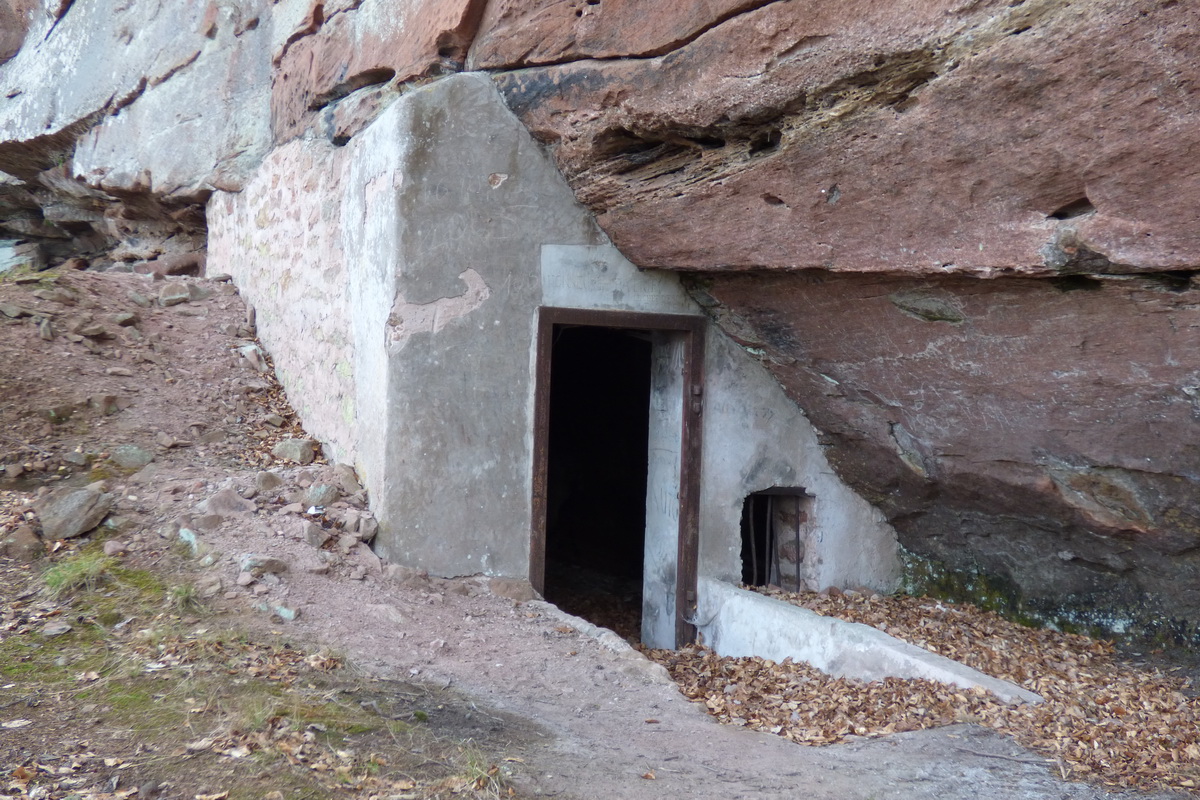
pixel 513 696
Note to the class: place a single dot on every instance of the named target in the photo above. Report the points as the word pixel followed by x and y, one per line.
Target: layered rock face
pixel 959 232
pixel 1014 386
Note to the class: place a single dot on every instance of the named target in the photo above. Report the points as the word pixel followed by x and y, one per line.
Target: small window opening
pixel 776 525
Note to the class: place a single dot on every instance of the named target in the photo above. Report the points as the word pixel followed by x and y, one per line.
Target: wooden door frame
pixel 691 329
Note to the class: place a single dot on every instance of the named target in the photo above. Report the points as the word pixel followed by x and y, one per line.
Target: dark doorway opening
pixel 596 474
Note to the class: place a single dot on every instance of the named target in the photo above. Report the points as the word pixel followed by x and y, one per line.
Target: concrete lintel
pixel 739 623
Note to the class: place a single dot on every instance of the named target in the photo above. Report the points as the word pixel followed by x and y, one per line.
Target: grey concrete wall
pixel 755 438
pixel 739 623
pixel 398 281
pixel 478 199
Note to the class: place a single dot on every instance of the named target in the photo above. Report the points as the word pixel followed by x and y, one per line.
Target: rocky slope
pixel 960 232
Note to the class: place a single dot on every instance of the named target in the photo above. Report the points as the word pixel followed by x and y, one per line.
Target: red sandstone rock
pixel 935 137
pixel 1040 430
pixel 518 33
pixel 366 46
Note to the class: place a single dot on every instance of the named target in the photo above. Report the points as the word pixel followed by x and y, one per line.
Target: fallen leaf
pixel 648 776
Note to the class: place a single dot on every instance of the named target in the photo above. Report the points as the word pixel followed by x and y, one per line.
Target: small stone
pixel 407 577
pixel 226 502
pixel 56 629
pixel 130 456
pixel 208 522
pixel 126 319
pixel 114 547
pixel 173 293
pixel 267 481
pixel 512 588
pixel 292 508
pixel 346 543
pixel 93 331
pixel 68 513
pixel 245 578
pixel 45 329
pixel 139 299
pixel 22 545
pixel 345 477
pixel 120 372
pixel 358 573
pixel 259 589
pixel 9 310
pixel 321 495
pixel 209 586
pixel 105 404
pixel 285 613
pixel 315 535
pixel 13 471
pixel 251 562
pixel 58 414
pixel 299 450
pixel 189 537
pixel 274 420
pixel 368 527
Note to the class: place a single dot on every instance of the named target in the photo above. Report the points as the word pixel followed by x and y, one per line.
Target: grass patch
pixel 82 570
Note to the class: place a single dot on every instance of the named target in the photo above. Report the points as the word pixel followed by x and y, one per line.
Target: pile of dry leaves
pixel 1101 719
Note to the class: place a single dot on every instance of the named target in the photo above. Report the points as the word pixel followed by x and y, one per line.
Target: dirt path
pixel 589 717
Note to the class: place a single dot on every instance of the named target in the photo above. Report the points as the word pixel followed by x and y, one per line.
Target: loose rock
pixel 227 502
pixel 321 494
pixel 130 456
pixel 299 450
pixel 22 545
pixel 172 294
pixel 68 513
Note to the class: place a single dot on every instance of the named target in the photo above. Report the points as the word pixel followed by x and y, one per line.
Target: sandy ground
pixel 589 717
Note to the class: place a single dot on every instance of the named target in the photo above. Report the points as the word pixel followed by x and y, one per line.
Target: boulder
pixel 68 513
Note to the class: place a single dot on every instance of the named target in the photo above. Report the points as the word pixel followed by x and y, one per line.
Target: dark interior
pixel 758 541
pixel 596 476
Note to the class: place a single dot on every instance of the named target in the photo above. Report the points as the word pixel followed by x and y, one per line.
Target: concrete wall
pixel 739 623
pixel 411 264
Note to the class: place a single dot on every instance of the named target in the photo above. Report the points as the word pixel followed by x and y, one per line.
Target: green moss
pixel 1088 615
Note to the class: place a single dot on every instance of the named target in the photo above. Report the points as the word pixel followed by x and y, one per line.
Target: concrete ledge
pixel 739 623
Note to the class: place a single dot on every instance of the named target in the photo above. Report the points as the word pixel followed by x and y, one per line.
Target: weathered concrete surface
pixel 1041 432
pixel 1041 137
pixel 450 227
pixel 739 623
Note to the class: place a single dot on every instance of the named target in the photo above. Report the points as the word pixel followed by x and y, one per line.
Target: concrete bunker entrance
pixel 616 469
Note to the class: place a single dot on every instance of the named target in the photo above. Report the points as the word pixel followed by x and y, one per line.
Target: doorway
pixel 616 471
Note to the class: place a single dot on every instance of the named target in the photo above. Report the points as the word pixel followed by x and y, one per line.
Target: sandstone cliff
pixel 961 233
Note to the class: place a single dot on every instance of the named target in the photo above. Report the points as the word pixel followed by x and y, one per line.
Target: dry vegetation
pixel 1102 720
pixel 115 684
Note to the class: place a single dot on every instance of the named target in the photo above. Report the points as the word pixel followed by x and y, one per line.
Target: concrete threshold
pixel 738 623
